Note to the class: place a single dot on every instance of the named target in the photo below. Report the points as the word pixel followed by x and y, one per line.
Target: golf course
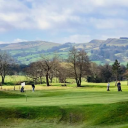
pixel 56 106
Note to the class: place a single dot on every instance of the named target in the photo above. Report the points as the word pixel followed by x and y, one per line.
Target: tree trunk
pixel 3 79
pixel 47 81
pixel 1 85
pixel 40 80
pixel 80 80
pixel 14 87
pixel 78 83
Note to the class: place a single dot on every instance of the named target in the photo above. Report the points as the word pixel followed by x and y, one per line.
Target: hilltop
pixel 100 51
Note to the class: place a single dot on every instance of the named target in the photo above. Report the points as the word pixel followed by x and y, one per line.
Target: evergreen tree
pixel 116 70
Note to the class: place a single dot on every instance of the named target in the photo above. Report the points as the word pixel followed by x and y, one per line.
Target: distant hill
pixel 43 45
pixel 96 41
pixel 117 42
pixel 100 51
pixel 29 51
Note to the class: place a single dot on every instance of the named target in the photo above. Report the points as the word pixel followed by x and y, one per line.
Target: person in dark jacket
pixel 22 89
pixel 33 87
pixel 22 86
pixel 119 86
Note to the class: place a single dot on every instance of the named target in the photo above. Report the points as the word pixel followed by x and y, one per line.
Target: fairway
pixel 58 97
pixel 91 104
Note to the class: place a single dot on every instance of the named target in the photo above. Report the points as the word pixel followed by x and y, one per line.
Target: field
pixel 90 106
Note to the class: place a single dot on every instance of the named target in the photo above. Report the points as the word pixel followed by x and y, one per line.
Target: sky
pixel 62 21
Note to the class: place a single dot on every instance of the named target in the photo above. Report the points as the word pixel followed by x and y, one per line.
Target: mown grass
pixel 90 106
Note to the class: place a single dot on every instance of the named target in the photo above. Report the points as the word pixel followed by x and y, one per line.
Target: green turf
pixel 90 106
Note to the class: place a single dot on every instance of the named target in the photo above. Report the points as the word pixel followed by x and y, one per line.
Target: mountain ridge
pixel 101 51
pixel 26 44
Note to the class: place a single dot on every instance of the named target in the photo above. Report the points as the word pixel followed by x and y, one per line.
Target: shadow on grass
pixel 7 94
pixel 95 86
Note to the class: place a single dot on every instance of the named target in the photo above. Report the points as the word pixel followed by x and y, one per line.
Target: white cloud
pixel 84 16
pixel 18 40
pixel 14 41
pixel 46 15
pixel 1 42
pixel 77 39
pixel 58 14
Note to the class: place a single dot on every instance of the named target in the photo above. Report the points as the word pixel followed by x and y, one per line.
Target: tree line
pixel 77 66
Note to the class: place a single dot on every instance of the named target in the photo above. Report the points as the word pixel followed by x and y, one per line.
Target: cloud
pixel 76 18
pixel 1 42
pixel 14 15
pixel 58 14
pixel 18 40
pixel 14 41
pixel 76 39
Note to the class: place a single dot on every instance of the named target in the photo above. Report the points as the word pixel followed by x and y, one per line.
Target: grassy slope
pixel 91 106
pixel 27 52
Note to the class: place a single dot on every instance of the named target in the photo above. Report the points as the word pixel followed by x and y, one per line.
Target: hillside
pixel 118 42
pixel 108 50
pixel 27 52
pixel 100 51
pixel 43 45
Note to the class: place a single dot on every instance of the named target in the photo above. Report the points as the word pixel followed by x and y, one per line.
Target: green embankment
pixel 90 115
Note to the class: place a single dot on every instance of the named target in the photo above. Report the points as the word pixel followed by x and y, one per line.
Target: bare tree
pixel 40 71
pixel 79 63
pixel 34 71
pixel 94 68
pixel 48 66
pixel 5 62
pixel 94 75
pixel 51 74
pixel 62 72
